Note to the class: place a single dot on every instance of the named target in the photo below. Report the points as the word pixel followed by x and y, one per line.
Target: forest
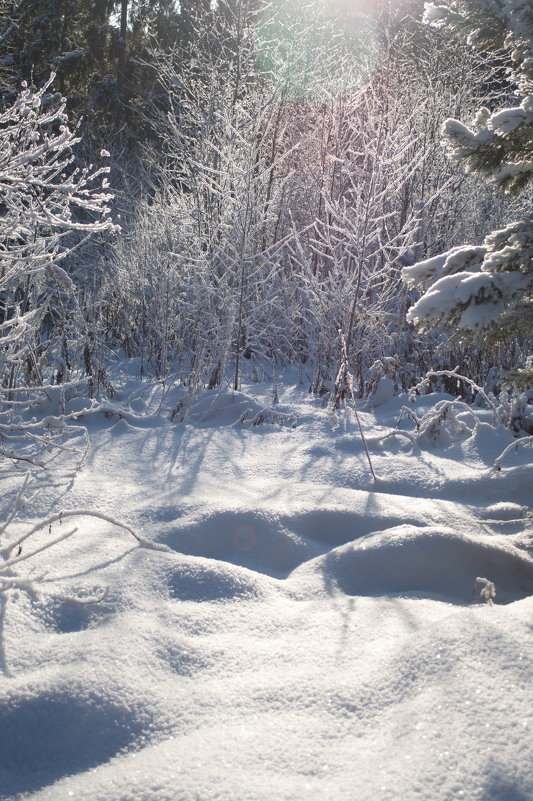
pixel 266 400
pixel 217 191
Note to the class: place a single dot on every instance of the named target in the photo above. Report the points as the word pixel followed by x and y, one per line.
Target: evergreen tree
pixel 70 37
pixel 486 292
pixel 97 51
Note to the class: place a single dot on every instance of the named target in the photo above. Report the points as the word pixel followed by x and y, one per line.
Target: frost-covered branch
pixel 16 552
pixel 48 202
pixel 527 441
pixel 432 374
pixel 5 552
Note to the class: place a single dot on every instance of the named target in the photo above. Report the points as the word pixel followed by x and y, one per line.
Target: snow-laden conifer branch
pixel 484 294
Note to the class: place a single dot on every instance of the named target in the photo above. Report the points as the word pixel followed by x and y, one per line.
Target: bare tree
pixel 48 205
pixel 300 171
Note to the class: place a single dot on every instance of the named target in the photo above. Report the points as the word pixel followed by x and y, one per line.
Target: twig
pixel 343 389
pixel 513 446
pixel 454 374
pixel 3 662
pixel 80 513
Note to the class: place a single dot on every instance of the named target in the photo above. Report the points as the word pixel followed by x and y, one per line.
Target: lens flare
pixel 311 50
pixel 244 538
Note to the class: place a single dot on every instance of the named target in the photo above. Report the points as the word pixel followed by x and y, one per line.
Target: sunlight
pixel 266 400
pixel 321 48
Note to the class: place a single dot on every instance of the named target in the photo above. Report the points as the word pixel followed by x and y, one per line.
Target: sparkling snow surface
pixel 308 635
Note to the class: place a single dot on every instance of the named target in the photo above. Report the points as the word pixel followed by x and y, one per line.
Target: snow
pixel 306 633
pixel 448 263
pixel 508 119
pixel 476 298
pixel 462 141
pixel 383 392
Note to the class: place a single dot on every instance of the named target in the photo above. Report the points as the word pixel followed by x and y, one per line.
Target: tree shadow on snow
pixel 505 788
pixel 56 734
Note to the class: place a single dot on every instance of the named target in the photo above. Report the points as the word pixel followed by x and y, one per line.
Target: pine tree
pixel 99 51
pixel 485 292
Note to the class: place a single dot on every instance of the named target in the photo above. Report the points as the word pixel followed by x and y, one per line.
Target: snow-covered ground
pixel 305 633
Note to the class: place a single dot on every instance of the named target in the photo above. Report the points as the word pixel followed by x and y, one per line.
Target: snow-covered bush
pixel 48 205
pixel 440 426
pixel 287 198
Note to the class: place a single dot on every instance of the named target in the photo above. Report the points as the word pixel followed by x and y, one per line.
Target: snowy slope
pixel 305 633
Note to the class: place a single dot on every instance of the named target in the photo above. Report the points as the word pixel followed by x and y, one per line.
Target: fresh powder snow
pixel 304 632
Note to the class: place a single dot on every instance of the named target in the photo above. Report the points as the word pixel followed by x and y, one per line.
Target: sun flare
pixel 309 48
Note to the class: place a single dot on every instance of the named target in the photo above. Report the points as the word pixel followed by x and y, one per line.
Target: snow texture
pixel 476 299
pixel 307 634
pixel 452 261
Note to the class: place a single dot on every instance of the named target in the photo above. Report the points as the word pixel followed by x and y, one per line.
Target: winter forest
pixel 266 400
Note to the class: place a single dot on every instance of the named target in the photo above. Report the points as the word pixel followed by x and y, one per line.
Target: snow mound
pixel 216 408
pixel 503 511
pixel 249 538
pixel 333 527
pixel 202 580
pixel 428 561
pixel 68 729
pixel 383 392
